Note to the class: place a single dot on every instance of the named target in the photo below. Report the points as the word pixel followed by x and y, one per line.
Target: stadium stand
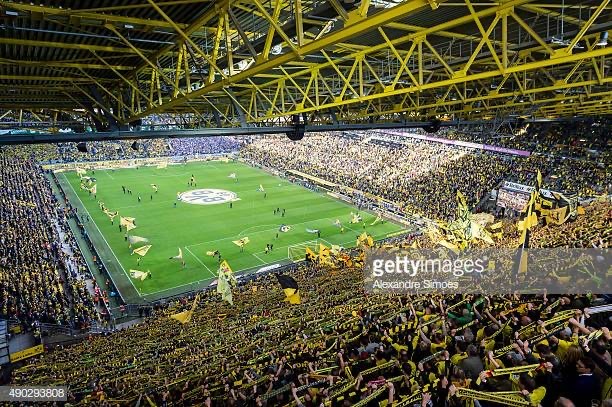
pixel 414 197
pixel 341 346
pixel 421 176
pixel 113 150
pixel 42 272
pixel 344 347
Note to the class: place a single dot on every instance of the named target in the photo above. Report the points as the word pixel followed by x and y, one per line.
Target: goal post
pixel 297 252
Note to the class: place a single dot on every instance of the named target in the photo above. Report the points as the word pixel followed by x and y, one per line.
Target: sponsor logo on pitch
pixel 207 196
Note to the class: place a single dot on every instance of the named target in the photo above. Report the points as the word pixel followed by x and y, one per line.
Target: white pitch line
pixel 200 261
pixel 100 232
pixel 259 258
pixel 261 231
pixel 174 288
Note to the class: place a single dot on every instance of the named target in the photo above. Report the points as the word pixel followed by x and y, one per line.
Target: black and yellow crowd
pixel 342 346
pixel 422 177
pixel 41 269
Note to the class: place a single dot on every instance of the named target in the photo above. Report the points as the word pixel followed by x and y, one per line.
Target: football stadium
pixel 306 203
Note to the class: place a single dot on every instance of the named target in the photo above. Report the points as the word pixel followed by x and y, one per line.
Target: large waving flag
pixel 127 222
pixel 111 215
pixel 310 255
pixel 185 316
pixel 139 275
pixel 179 256
pixel 225 282
pixel 530 219
pixel 290 288
pixel 141 251
pixel 324 252
pixel 124 221
pixel 225 267
pixel 365 239
pixel 241 242
pixel 378 219
pixel 137 239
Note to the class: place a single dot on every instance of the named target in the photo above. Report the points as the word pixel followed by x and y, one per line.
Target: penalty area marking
pixel 200 261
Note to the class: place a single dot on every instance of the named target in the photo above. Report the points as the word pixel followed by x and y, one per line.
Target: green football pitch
pixel 202 221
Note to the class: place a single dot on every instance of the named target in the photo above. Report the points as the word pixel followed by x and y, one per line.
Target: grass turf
pixel 201 228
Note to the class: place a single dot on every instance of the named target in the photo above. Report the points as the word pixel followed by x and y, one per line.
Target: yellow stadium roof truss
pixel 231 63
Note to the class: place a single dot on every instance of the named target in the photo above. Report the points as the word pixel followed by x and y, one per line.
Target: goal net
pixel 297 252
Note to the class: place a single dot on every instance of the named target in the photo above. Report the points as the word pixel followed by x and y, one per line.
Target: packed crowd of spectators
pixel 111 150
pixel 346 347
pixel 422 176
pixel 584 139
pixel 146 148
pixel 583 174
pixel 589 231
pixel 203 145
pixel 41 268
pixel 341 345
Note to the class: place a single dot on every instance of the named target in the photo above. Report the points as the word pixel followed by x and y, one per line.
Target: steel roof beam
pixel 67 45
pixel 334 37
pixel 49 12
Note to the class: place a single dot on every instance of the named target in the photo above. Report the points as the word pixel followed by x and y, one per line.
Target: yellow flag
pixel 139 275
pixel 310 253
pixel 225 267
pixel 539 179
pixel 497 225
pixel 141 251
pixel 241 242
pixel 111 215
pixel 185 316
pixel 125 221
pixel 557 216
pixel 293 296
pixel 530 221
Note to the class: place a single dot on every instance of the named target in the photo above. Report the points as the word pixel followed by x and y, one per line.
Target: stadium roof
pixel 232 62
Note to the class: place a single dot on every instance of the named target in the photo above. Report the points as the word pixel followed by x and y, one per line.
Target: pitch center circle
pixel 208 196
